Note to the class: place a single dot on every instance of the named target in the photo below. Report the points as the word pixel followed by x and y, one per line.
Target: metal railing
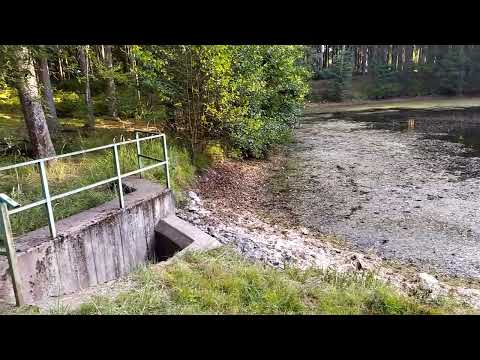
pixel 9 207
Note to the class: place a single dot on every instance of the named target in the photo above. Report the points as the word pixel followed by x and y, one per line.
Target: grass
pixel 222 282
pixel 23 184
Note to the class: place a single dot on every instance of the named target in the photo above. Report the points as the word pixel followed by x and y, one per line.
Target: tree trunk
pixel 60 68
pixel 84 65
pixel 111 91
pixel 133 69
pixel 395 57
pixel 364 60
pixel 320 57
pixel 27 87
pixel 327 52
pixel 51 112
pixel 408 57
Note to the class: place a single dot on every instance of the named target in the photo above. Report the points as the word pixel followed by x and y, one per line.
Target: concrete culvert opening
pixel 165 248
pixel 173 234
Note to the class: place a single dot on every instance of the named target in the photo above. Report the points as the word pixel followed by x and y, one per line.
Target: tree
pixel 111 91
pixel 451 70
pixel 85 67
pixel 342 68
pixel 247 97
pixel 47 92
pixel 31 104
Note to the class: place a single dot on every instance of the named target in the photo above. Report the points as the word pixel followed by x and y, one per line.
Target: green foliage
pixel 245 96
pixel 451 71
pixel 386 83
pixel 342 80
pixel 9 101
pixel 325 74
pixel 68 103
pixel 223 282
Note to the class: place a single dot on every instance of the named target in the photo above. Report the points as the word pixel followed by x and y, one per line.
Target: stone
pixel 428 282
pixel 194 197
pixel 193 208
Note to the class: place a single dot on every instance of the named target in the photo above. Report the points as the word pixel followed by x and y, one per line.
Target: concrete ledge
pixel 176 235
pixel 95 246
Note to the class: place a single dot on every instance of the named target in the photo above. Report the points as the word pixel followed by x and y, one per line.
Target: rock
pixel 346 268
pixel 305 231
pixel 193 208
pixel 358 265
pixel 203 212
pixel 429 282
pixel 194 197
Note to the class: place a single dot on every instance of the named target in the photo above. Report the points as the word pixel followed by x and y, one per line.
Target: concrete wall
pixel 92 247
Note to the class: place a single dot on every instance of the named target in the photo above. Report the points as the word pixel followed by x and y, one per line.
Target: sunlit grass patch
pixel 223 282
pixel 23 184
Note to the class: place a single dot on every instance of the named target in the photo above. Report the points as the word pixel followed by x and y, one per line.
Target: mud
pixel 403 184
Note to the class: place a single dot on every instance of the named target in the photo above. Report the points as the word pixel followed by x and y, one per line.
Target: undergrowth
pixel 23 184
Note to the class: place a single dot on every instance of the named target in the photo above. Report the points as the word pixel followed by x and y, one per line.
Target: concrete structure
pixel 174 234
pixel 100 244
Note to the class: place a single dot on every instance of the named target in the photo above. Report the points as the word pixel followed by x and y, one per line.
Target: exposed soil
pixel 401 194
pixel 243 204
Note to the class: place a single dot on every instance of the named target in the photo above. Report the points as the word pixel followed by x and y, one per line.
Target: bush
pixel 325 74
pixel 244 96
pixel 69 103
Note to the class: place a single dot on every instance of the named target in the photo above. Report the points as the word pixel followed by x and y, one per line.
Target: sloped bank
pixel 236 198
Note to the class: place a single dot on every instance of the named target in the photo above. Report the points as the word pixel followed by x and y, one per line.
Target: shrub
pixel 68 103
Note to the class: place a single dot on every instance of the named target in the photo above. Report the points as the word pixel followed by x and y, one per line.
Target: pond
pixel 402 183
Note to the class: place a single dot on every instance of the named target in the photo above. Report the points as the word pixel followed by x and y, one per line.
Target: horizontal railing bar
pixel 148 157
pixel 90 186
pixel 28 206
pixel 87 187
pixel 143 169
pixel 80 152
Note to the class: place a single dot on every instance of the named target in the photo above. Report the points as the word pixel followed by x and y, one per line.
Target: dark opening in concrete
pixel 165 248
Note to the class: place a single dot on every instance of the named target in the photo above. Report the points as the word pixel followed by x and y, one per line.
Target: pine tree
pixel 342 69
pixel 451 71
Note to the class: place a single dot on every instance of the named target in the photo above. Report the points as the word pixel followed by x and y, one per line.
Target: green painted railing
pixel 9 206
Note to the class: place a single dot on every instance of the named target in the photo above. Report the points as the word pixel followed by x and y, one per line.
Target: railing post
pixel 119 175
pixel 139 152
pixel 7 237
pixel 46 194
pixel 165 153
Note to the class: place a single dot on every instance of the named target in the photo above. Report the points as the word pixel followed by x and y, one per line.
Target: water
pixel 456 125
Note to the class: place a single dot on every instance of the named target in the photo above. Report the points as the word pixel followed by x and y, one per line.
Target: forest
pixel 244 98
pixel 390 71
pixel 287 164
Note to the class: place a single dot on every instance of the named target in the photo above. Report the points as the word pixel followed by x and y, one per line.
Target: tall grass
pixel 23 184
pixel 223 282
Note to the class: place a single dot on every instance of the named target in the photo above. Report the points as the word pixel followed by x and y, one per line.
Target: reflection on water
pixel 411 124
pixel 459 125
